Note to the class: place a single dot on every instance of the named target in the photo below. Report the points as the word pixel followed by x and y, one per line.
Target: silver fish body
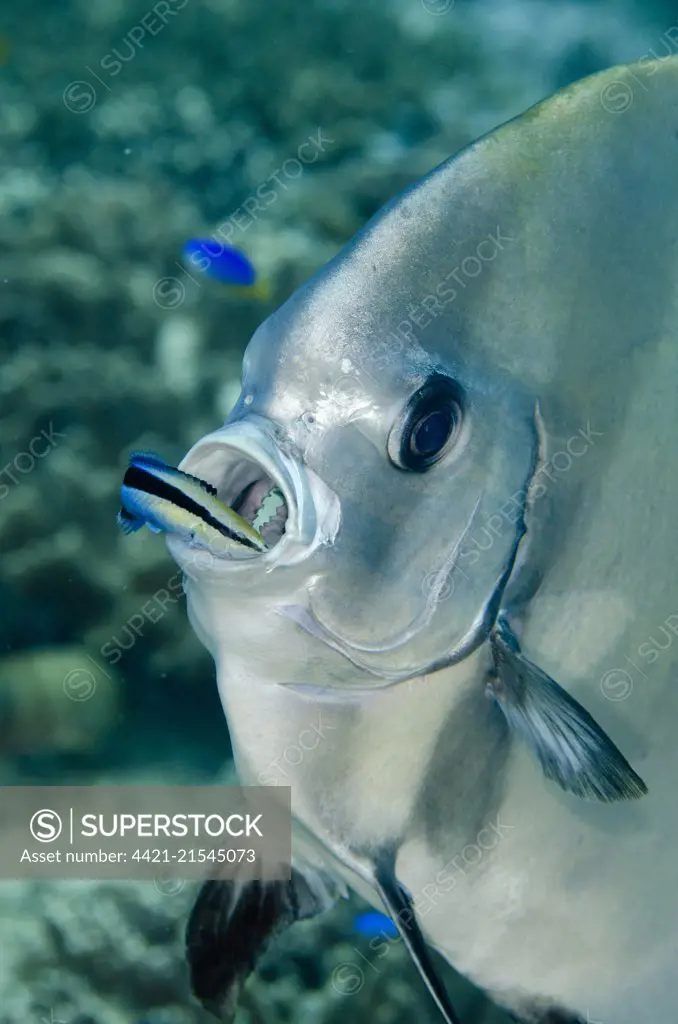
pixel 538 273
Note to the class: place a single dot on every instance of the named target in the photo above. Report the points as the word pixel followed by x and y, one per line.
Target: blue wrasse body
pixel 166 500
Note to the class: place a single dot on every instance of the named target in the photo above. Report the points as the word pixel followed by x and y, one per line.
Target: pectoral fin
pixel 232 924
pixel 399 905
pixel 571 747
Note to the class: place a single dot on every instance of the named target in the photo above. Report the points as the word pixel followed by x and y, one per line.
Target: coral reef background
pixel 127 128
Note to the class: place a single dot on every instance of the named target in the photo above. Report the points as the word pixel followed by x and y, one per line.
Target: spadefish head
pixel 400 400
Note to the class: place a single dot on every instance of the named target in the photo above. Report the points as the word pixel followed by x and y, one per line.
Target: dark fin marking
pixel 233 923
pixel 127 522
pixel 569 744
pixel 150 461
pixel 399 905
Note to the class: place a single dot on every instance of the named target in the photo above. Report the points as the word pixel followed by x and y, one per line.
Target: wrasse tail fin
pixel 233 923
pixel 399 905
pixel 569 744
pixel 127 522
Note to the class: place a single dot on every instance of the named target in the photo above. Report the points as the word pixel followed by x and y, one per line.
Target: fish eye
pixel 428 426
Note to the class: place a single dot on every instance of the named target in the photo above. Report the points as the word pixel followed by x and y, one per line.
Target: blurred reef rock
pixel 112 953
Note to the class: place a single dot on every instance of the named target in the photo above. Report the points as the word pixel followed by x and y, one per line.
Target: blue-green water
pixel 127 129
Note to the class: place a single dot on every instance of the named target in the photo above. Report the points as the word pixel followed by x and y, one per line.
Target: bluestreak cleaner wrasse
pixel 459 650
pixel 166 500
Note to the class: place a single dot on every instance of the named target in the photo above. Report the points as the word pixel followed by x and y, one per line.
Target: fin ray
pixel 234 921
pixel 127 522
pixel 572 749
pixel 398 904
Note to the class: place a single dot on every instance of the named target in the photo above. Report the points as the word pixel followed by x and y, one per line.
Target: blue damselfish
pixel 372 923
pixel 222 262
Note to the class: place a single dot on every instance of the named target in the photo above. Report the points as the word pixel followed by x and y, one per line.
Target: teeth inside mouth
pixel 272 509
pixel 248 489
pixel 263 505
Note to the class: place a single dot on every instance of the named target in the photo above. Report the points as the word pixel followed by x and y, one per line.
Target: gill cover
pixel 512 272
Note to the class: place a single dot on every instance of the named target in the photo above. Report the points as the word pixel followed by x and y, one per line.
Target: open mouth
pixel 248 489
pixel 266 484
pixel 263 504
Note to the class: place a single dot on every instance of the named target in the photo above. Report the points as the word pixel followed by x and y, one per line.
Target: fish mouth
pixel 268 487
pixel 256 493
pixel 256 496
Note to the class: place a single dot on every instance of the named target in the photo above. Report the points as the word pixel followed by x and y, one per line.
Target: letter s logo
pixel 46 826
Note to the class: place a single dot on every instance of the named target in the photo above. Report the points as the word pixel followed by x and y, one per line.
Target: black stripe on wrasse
pixel 141 480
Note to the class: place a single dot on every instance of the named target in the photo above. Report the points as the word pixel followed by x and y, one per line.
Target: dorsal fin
pixel 150 461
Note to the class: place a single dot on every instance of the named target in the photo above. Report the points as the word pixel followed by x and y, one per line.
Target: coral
pixel 112 953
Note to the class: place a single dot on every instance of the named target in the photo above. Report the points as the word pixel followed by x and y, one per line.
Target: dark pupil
pixel 431 433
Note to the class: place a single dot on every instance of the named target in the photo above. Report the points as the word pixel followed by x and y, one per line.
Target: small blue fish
pixel 226 264
pixel 163 498
pixel 372 923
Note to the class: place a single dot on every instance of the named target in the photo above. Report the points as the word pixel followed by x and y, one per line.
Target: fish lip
pixel 254 440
